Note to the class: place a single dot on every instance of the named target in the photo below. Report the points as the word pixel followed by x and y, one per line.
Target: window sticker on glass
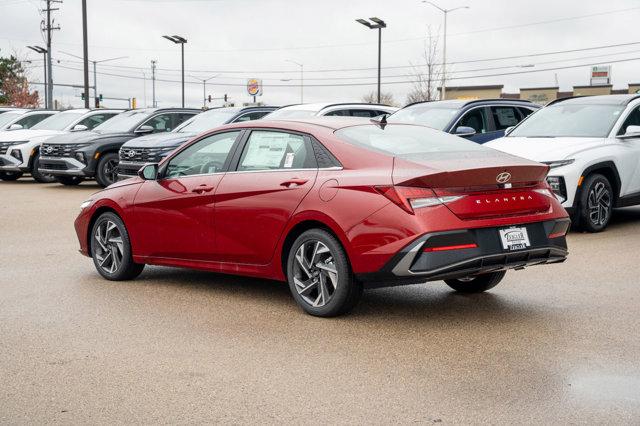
pixel 288 161
pixel 506 116
pixel 265 149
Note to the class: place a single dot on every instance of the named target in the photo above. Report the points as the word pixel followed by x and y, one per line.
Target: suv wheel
pixel 69 180
pixel 596 203
pixel 10 176
pixel 37 175
pixel 107 170
pixel 320 276
pixel 111 249
pixel 477 283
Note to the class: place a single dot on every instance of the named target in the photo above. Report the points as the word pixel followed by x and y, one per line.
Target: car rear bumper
pixel 479 251
pixel 62 166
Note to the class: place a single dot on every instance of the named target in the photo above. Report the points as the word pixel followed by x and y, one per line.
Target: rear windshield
pixel 404 140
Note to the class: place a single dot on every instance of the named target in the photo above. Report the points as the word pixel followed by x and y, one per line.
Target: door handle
pixel 294 182
pixel 202 188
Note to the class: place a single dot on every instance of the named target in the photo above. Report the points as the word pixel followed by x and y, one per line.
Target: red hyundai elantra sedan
pixel 331 206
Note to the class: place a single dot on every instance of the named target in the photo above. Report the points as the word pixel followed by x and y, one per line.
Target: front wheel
pixel 111 249
pixel 39 176
pixel 476 283
pixel 10 176
pixel 596 203
pixel 107 170
pixel 320 276
pixel 69 180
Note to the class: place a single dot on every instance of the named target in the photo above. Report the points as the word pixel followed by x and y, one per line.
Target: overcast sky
pixel 238 39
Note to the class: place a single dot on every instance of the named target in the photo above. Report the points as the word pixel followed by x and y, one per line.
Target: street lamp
pixel 95 74
pixel 204 87
pixel 181 41
pixel 444 47
pixel 301 78
pixel 43 51
pixel 376 24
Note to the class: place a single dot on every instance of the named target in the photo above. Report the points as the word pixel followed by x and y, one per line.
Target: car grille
pixel 129 169
pixel 52 166
pixel 4 146
pixel 60 150
pixel 141 155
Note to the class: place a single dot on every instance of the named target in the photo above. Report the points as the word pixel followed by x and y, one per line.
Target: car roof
pixel 597 100
pixel 331 123
pixel 461 103
pixel 319 106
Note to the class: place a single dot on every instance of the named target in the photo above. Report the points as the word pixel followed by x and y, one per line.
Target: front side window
pixel 31 120
pixel 59 121
pixel 632 120
pixel 570 120
pixel 124 122
pixel 206 156
pixel 160 123
pixel 95 120
pixel 505 116
pixel 267 150
pixel 9 117
pixel 476 119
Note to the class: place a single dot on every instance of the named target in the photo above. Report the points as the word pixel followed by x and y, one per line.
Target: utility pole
pixel 95 75
pixel 85 58
pixel 153 84
pixel 48 28
pixel 301 78
pixel 204 88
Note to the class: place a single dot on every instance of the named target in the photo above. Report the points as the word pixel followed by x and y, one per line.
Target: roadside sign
pixel 254 87
pixel 600 75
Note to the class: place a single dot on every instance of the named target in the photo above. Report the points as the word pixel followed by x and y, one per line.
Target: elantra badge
pixel 503 177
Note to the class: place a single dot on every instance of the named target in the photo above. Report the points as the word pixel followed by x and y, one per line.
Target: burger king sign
pixel 254 87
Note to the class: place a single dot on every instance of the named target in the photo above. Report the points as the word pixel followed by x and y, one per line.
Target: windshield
pixel 207 120
pixel 571 120
pixel 8 117
pixel 427 114
pixel 405 140
pixel 123 122
pixel 285 113
pixel 58 121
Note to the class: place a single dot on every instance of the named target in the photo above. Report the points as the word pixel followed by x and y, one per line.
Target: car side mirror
pixel 631 132
pixel 465 131
pixel 79 128
pixel 143 130
pixel 508 130
pixel 149 171
pixel 15 127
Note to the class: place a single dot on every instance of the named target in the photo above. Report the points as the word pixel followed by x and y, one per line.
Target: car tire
pixel 37 175
pixel 69 180
pixel 477 283
pixel 107 169
pixel 10 176
pixel 111 249
pixel 319 275
pixel 595 204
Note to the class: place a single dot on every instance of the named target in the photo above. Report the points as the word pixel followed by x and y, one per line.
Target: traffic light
pixel 97 102
pixel 82 95
pixel 225 97
pixel 100 97
pixel 209 98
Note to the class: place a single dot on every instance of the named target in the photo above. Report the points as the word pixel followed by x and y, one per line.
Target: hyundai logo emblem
pixel 503 177
pixel 49 149
pixel 131 153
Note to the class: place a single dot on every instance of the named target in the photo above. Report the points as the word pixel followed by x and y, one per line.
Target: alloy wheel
pixel 314 273
pixel 599 204
pixel 109 249
pixel 110 170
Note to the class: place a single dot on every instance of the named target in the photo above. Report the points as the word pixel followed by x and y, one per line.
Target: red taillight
pixel 456 247
pixel 409 198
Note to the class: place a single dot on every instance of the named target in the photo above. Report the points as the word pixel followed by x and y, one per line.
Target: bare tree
pixel 385 98
pixel 427 76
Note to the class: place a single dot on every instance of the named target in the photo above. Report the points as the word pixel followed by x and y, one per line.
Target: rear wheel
pixel 107 170
pixel 596 203
pixel 320 276
pixel 111 249
pixel 477 283
pixel 69 180
pixel 10 176
pixel 39 176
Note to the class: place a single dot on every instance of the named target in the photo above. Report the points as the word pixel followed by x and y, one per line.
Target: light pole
pixel 301 78
pixel 181 41
pixel 379 24
pixel 444 44
pixel 95 76
pixel 204 87
pixel 43 51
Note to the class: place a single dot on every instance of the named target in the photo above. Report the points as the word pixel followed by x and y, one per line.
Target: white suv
pixel 592 145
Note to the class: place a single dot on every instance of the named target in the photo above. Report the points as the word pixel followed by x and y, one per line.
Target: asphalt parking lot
pixel 556 343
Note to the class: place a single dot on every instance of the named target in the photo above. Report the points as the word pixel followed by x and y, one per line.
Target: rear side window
pixel 405 140
pixel 338 113
pixel 268 150
pixel 505 116
pixel 250 116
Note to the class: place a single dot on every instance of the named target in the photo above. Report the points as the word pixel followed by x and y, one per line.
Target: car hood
pixel 84 137
pixel 27 134
pixel 544 149
pixel 159 140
